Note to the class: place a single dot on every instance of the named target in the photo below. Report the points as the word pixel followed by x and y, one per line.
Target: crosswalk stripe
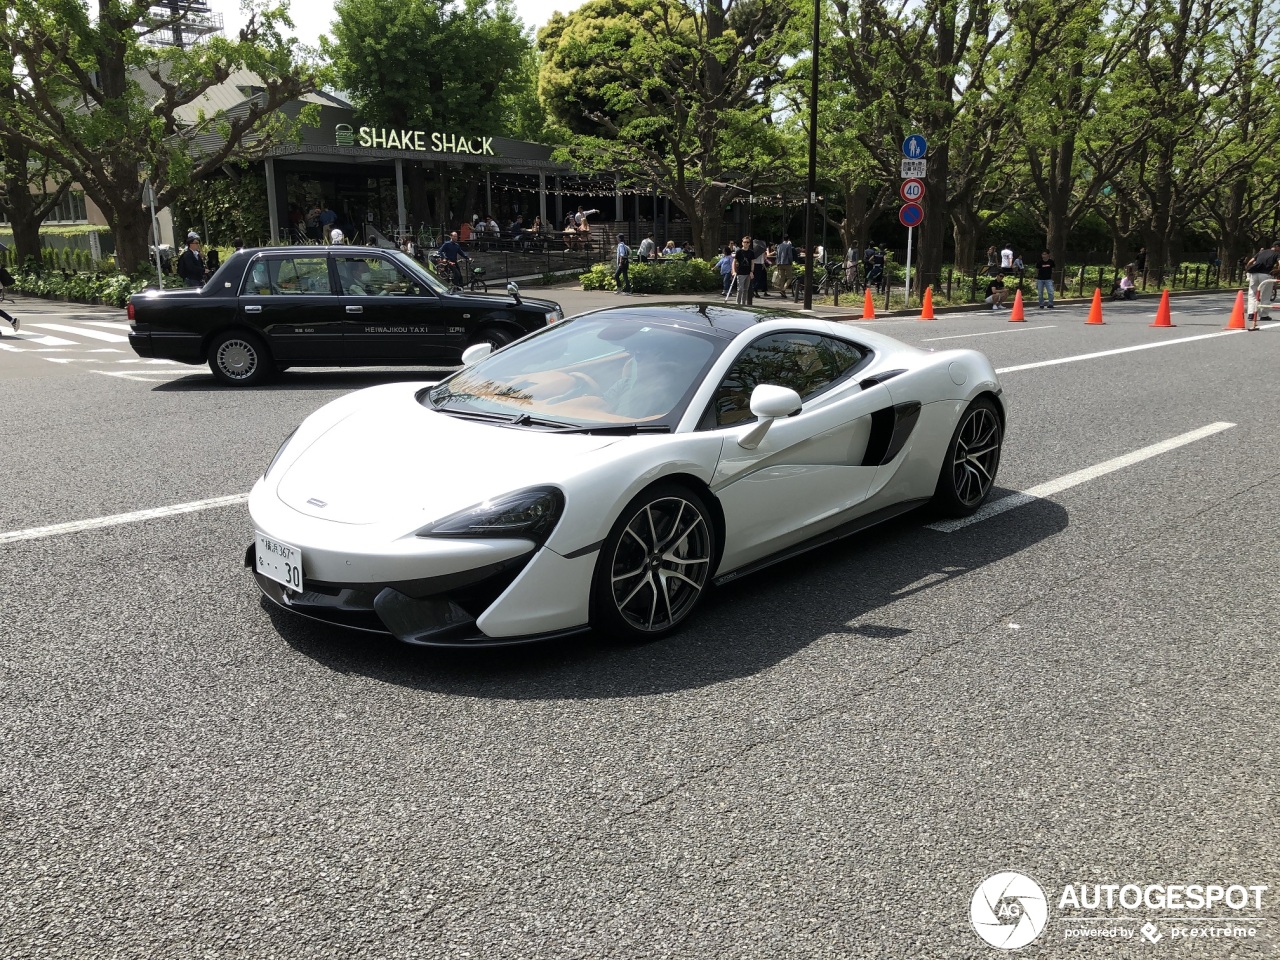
pixel 47 341
pixel 81 331
pixel 109 324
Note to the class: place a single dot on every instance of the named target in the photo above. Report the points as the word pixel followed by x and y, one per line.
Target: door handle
pixel 354 309
pixel 252 308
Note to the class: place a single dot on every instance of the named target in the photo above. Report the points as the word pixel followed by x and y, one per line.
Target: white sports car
pixel 604 471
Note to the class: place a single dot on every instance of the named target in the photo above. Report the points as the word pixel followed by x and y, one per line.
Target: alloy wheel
pixel 237 359
pixel 661 564
pixel 977 455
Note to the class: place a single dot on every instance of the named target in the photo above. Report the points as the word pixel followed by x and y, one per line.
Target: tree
pixel 30 186
pixel 672 93
pixel 461 67
pixel 1073 115
pixel 110 110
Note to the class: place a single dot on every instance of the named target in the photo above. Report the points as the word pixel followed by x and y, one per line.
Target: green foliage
pixel 462 66
pixel 230 206
pixel 667 277
pixel 112 289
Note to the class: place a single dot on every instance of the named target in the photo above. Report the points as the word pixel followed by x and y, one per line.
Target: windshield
pixel 414 269
pixel 589 371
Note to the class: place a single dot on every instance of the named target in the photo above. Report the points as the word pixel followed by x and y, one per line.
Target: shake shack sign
pixel 378 138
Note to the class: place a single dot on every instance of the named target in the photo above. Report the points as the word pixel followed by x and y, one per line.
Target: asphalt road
pixel 826 763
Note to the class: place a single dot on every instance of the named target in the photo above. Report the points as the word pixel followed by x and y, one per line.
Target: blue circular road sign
pixel 911 214
pixel 915 147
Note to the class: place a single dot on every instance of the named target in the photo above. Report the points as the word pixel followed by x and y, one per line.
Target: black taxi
pixel 274 307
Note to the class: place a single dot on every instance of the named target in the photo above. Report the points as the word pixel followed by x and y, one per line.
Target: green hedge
pixel 670 276
pixel 112 289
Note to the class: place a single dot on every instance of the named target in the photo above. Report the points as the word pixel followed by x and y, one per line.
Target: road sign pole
pixel 906 300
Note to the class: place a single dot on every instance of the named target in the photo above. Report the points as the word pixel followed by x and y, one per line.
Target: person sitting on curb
pixel 996 291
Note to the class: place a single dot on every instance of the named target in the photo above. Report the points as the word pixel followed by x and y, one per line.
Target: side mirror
pixel 513 291
pixel 768 403
pixel 477 351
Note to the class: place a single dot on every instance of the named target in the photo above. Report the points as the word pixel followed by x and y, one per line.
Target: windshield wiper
pixel 478 415
pixel 623 428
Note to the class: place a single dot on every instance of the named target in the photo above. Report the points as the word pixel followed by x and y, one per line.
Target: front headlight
pixel 526 515
pixel 278 452
pixel 554 316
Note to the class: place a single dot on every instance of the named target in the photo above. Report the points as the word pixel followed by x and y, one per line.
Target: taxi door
pixel 290 298
pixel 392 316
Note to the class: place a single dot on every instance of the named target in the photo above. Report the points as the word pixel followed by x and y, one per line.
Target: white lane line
pixel 109 324
pixel 76 526
pixel 81 331
pixel 1039 492
pixel 988 333
pixel 1141 346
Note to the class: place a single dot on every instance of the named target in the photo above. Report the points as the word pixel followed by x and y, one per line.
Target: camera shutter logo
pixel 344 135
pixel 1008 910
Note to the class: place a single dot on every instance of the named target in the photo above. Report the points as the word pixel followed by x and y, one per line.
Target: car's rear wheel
pixel 654 565
pixel 240 359
pixel 973 457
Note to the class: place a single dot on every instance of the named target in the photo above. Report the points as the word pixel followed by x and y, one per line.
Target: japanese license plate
pixel 279 561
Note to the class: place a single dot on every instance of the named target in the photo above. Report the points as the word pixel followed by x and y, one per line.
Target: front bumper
pixel 433 611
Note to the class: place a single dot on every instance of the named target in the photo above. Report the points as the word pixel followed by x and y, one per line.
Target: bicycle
pixel 450 272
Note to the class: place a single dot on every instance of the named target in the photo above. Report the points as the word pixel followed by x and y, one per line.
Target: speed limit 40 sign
pixel 911 190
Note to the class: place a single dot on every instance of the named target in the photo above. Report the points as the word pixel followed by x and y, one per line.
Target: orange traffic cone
pixel 868 307
pixel 926 308
pixel 1017 314
pixel 1095 311
pixel 1163 318
pixel 1237 313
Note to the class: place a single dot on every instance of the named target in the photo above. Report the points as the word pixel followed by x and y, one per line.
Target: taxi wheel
pixel 493 336
pixel 240 359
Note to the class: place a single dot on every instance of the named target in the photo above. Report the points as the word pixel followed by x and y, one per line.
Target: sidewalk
pixel 575 300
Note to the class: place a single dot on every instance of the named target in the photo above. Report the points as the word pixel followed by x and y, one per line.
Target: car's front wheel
pixel 494 336
pixel 240 359
pixel 973 457
pixel 654 565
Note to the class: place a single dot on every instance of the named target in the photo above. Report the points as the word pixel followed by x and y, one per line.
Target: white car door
pixel 809 473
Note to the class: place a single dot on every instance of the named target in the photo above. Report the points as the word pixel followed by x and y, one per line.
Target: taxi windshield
pixel 589 371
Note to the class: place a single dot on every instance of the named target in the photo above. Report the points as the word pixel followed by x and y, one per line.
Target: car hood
pixel 399 461
pixel 502 300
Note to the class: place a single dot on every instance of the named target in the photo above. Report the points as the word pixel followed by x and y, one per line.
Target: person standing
pixel 327 221
pixel 451 251
pixel 191 264
pixel 786 264
pixel 759 269
pixel 1261 267
pixel 1044 280
pixel 1006 258
pixel 742 271
pixel 725 266
pixel 648 248
pixel 622 272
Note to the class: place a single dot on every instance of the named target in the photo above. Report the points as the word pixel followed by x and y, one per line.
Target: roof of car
pixel 314 249
pixel 726 320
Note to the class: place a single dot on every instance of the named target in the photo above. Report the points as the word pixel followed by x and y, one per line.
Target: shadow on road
pixel 741 629
pixel 312 379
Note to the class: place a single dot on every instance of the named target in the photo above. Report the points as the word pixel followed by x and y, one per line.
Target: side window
pixel 806 362
pixel 291 277
pixel 374 277
pixel 304 275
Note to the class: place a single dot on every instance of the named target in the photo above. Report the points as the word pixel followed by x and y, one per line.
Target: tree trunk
pixel 132 232
pixel 964 232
